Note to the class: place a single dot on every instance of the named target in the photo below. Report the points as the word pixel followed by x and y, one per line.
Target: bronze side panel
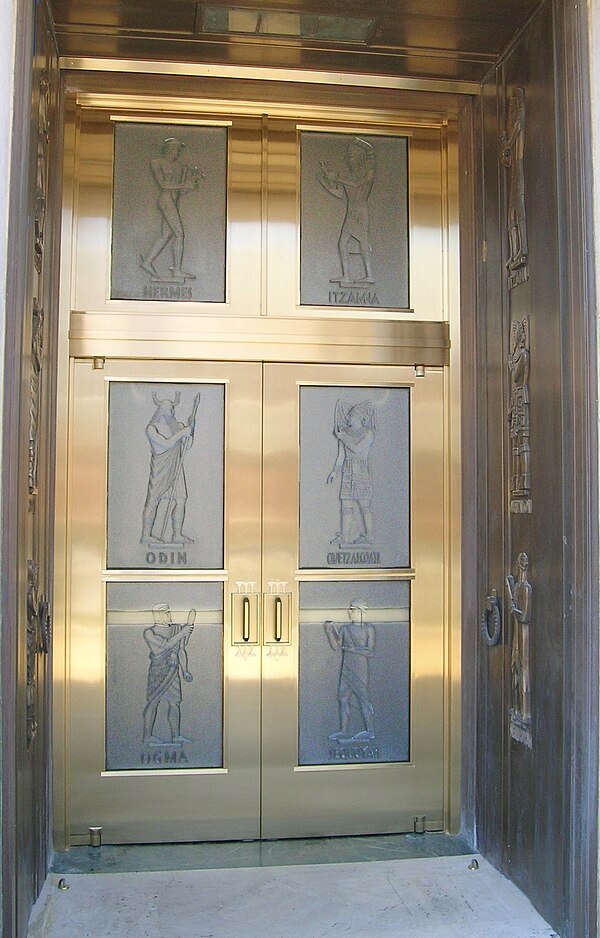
pixel 531 699
pixel 28 472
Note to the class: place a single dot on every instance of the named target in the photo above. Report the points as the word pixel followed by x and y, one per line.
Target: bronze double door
pixel 257 600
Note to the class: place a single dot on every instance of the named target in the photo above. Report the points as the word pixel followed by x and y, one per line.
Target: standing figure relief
pixel 518 412
pixel 354 428
pixel 169 441
pixel 173 177
pixel 167 642
pixel 356 639
pixel 353 183
pixel 512 151
pixel 520 596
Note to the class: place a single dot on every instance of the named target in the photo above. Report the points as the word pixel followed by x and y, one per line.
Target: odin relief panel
pixel 354 220
pixel 164 675
pixel 354 477
pixel 354 672
pixel 169 213
pixel 165 475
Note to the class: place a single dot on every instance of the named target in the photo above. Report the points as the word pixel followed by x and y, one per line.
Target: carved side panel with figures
pixel 354 253
pixel 169 213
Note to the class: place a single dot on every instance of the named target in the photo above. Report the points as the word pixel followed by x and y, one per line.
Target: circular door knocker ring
pixel 491 617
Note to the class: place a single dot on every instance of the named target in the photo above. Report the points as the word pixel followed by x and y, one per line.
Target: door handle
pixel 276 615
pixel 245 616
pixel 246 619
pixel 491 614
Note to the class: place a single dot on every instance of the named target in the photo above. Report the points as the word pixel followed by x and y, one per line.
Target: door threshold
pixel 138 858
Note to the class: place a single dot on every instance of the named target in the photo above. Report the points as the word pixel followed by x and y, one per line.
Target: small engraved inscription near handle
pixel 246 618
pixel 491 617
pixel 278 619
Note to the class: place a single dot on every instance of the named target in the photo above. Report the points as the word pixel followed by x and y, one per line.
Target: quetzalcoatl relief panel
pixel 165 475
pixel 354 672
pixel 354 220
pixel 354 477
pixel 169 213
pixel 164 675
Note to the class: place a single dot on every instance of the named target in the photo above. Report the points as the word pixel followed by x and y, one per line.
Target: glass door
pixel 354 600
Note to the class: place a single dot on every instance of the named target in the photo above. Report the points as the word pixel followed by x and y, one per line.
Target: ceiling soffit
pixel 454 40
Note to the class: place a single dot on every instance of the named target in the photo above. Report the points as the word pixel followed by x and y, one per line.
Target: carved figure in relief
pixel 511 155
pixel 356 639
pixel 43 138
pixel 34 394
pixel 354 184
pixel 173 177
pixel 169 441
pixel 354 428
pixel 518 410
pixel 167 642
pixel 520 594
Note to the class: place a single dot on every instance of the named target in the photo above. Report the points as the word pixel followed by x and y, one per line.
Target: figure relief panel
pixel 520 604
pixel 512 156
pixel 164 675
pixel 354 477
pixel 354 672
pixel 169 215
pixel 354 220
pixel 519 419
pixel 165 475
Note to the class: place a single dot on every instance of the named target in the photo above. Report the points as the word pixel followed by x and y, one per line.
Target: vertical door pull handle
pixel 278 619
pixel 246 618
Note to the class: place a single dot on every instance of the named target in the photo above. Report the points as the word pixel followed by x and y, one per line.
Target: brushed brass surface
pixel 415 39
pixel 263 242
pixel 261 322
pixel 310 76
pixel 343 799
pixel 203 804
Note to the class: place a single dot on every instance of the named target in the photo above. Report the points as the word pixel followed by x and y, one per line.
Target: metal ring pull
pixel 278 619
pixel 491 610
pixel 246 618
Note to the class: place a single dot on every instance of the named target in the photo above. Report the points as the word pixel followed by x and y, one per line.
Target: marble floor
pixel 426 897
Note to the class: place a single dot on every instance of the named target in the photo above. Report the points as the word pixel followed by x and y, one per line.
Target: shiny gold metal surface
pixel 261 322
pixel 179 804
pixel 265 73
pixel 420 39
pixel 263 230
pixel 343 799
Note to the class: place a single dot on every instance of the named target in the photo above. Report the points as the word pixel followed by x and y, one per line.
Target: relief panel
pixel 169 213
pixel 512 154
pixel 165 475
pixel 354 672
pixel 354 220
pixel 354 477
pixel 164 675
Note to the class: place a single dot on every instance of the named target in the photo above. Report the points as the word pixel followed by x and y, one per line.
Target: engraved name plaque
pixel 169 213
pixel 354 220
pixel 165 476
pixel 164 676
pixel 354 672
pixel 354 477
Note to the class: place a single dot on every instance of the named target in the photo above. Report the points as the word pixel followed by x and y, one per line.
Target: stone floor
pixel 283 890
